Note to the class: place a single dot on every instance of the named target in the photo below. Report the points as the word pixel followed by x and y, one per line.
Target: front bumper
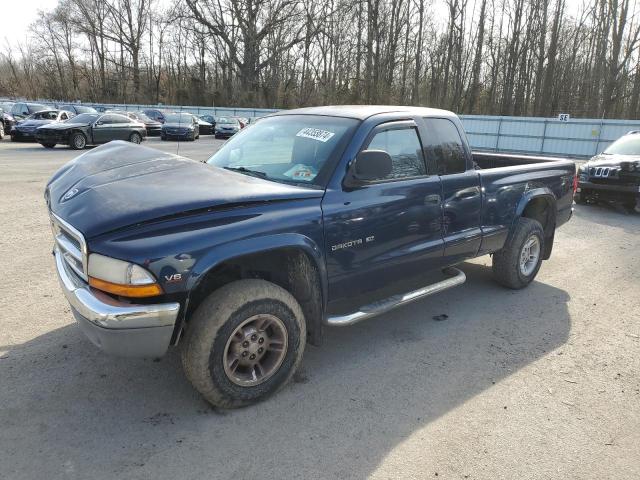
pixel 118 328
pixel 23 135
pixel 633 189
pixel 225 133
pixel 177 135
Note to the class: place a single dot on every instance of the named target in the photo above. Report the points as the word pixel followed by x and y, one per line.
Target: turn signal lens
pixel 135 291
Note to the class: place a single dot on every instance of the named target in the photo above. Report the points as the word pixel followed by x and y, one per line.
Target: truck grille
pixel 602 172
pixel 71 245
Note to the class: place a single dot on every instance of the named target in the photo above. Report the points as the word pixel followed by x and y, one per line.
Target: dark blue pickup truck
pixel 309 218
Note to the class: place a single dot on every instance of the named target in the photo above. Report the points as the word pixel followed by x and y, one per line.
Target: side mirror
pixel 368 166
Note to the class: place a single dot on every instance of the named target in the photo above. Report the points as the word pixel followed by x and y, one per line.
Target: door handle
pixel 432 200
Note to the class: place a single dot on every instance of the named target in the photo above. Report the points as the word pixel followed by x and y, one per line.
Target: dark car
pixel 155 114
pixel 6 119
pixel 153 127
pixel 613 175
pixel 226 127
pixel 78 109
pixel 91 129
pixel 313 217
pixel 180 126
pixel 22 110
pixel 26 129
pixel 209 119
pixel 204 127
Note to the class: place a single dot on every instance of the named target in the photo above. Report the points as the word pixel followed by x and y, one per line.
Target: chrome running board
pixel 456 277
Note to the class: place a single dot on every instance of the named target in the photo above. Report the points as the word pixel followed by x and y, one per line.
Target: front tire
pixel 243 342
pixel 77 141
pixel 518 263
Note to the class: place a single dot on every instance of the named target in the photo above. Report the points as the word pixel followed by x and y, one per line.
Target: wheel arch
pixel 291 261
pixel 540 204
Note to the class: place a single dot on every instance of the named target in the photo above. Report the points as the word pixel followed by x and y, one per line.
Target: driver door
pixel 103 129
pixel 387 231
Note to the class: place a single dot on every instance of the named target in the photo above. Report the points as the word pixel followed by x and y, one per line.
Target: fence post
pixel 599 136
pixel 498 134
pixel 544 135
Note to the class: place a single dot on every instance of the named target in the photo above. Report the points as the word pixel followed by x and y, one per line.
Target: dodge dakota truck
pixel 310 218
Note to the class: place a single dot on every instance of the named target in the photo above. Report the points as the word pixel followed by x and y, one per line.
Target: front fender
pixel 247 246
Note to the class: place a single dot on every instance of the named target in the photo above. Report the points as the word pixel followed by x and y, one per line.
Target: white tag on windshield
pixel 315 134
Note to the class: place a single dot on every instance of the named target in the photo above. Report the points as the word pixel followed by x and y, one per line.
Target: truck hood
pixel 603 160
pixel 119 185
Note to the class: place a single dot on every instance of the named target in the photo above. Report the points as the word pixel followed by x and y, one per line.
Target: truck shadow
pixel 73 412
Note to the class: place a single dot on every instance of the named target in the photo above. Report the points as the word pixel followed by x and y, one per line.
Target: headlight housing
pixel 121 278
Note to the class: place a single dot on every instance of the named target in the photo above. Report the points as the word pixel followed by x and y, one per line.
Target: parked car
pixel 209 118
pixel 153 127
pixel 77 109
pixel 613 175
pixel 226 127
pixel 155 114
pixel 312 217
pixel 180 126
pixel 91 129
pixel 26 129
pixel 204 127
pixel 21 110
pixel 6 119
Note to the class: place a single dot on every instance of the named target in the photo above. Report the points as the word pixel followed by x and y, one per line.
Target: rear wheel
pixel 77 141
pixel 243 342
pixel 135 138
pixel 517 264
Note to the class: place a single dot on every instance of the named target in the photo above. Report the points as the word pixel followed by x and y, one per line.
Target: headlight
pixel 121 278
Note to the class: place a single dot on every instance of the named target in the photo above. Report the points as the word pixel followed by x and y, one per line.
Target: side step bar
pixel 456 277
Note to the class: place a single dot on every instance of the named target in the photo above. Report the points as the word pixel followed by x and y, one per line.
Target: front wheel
pixel 1 132
pixel 77 141
pixel 135 138
pixel 517 264
pixel 243 342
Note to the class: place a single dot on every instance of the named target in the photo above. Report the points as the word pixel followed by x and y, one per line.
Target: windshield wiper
pixel 247 171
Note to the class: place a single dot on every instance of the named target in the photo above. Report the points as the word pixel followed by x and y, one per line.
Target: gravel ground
pixel 535 384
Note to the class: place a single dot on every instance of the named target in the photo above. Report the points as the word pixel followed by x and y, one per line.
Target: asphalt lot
pixel 535 384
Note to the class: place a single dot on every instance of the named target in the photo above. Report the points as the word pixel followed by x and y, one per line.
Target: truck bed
pixel 486 160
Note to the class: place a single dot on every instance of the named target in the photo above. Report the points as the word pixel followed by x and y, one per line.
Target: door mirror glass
pixel 368 166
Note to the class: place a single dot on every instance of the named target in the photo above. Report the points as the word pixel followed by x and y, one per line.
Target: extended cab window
pixel 403 145
pixel 443 146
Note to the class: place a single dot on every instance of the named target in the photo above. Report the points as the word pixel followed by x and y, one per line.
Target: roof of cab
pixel 362 112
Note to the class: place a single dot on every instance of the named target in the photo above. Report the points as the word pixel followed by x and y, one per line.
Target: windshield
pixel 84 118
pixel 287 148
pixel 46 115
pixel 142 117
pixel 627 145
pixel 35 107
pixel 227 120
pixel 179 118
pixel 81 109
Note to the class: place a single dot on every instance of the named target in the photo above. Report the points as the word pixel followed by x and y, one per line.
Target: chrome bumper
pixel 116 327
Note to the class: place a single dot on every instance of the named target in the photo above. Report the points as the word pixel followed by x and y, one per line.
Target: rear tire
pixel 518 263
pixel 221 331
pixel 135 138
pixel 77 141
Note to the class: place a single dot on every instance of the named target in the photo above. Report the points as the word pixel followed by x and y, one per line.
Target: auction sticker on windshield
pixel 315 134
